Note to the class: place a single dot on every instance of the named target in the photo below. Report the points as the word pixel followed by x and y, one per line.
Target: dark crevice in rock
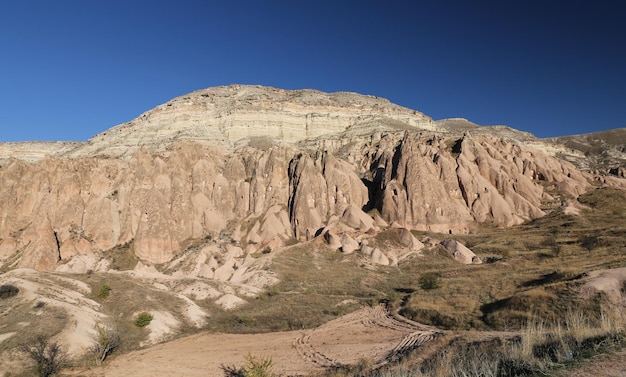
pixel 58 243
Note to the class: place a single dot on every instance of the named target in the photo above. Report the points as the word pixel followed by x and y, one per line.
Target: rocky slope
pixel 262 167
pixel 601 151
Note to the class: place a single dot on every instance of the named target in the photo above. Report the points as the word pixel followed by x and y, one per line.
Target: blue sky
pixel 72 69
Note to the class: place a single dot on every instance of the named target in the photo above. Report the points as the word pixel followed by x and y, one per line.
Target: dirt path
pixel 370 333
pixel 613 365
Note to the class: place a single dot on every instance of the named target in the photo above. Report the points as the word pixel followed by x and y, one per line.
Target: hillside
pixel 215 209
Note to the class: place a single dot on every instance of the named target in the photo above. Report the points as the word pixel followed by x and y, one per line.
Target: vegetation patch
pixel 254 367
pixel 122 257
pixel 104 291
pixel 429 280
pixel 8 291
pixel 143 319
pixel 49 357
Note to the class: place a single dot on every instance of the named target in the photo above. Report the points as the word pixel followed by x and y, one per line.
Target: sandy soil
pixel 370 333
pixel 607 281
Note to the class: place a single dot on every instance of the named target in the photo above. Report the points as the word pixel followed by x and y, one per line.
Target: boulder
pixel 459 252
pixel 332 240
pixel 354 217
pixel 374 254
pixel 408 240
pixel 348 244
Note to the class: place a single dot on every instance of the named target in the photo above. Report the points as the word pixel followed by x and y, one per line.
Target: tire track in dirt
pixel 376 327
pixel 418 336
pixel 411 342
pixel 305 350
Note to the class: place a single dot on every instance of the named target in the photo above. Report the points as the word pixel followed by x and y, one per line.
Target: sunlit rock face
pixel 227 115
pixel 269 167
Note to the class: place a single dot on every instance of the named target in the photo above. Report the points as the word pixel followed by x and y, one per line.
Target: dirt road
pixel 369 333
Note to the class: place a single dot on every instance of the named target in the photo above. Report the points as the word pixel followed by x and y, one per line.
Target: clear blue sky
pixel 72 69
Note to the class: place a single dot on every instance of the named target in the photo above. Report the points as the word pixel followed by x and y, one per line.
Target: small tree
pixel 107 340
pixel 49 357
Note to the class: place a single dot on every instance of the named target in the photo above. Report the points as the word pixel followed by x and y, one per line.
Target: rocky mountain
pixel 256 167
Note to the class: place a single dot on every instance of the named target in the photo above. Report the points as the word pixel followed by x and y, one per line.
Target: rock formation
pixel 460 252
pixel 267 167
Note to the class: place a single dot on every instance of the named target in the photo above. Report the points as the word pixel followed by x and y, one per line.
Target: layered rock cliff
pixel 269 167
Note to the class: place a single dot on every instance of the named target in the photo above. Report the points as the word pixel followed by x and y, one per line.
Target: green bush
pixel 143 319
pixel 104 292
pixel 429 280
pixel 257 367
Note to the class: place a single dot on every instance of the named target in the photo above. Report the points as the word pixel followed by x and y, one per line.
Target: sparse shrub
pixel 7 291
pixel 551 242
pixel 49 357
pixel 590 242
pixel 39 304
pixel 107 340
pixel 143 319
pixel 429 280
pixel 104 291
pixel 266 250
pixel 254 367
pixel 244 320
pixel 257 367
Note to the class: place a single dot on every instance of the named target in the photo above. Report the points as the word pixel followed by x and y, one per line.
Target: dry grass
pixel 538 267
pixel 316 286
pixel 538 350
pixel 33 320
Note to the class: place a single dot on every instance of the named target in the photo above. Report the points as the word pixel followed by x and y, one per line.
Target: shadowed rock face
pixel 164 190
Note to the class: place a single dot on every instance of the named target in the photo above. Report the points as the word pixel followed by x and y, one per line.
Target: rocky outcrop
pixel 177 182
pixel 420 189
pixel 459 252
pixel 444 185
pixel 407 239
pixel 319 189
